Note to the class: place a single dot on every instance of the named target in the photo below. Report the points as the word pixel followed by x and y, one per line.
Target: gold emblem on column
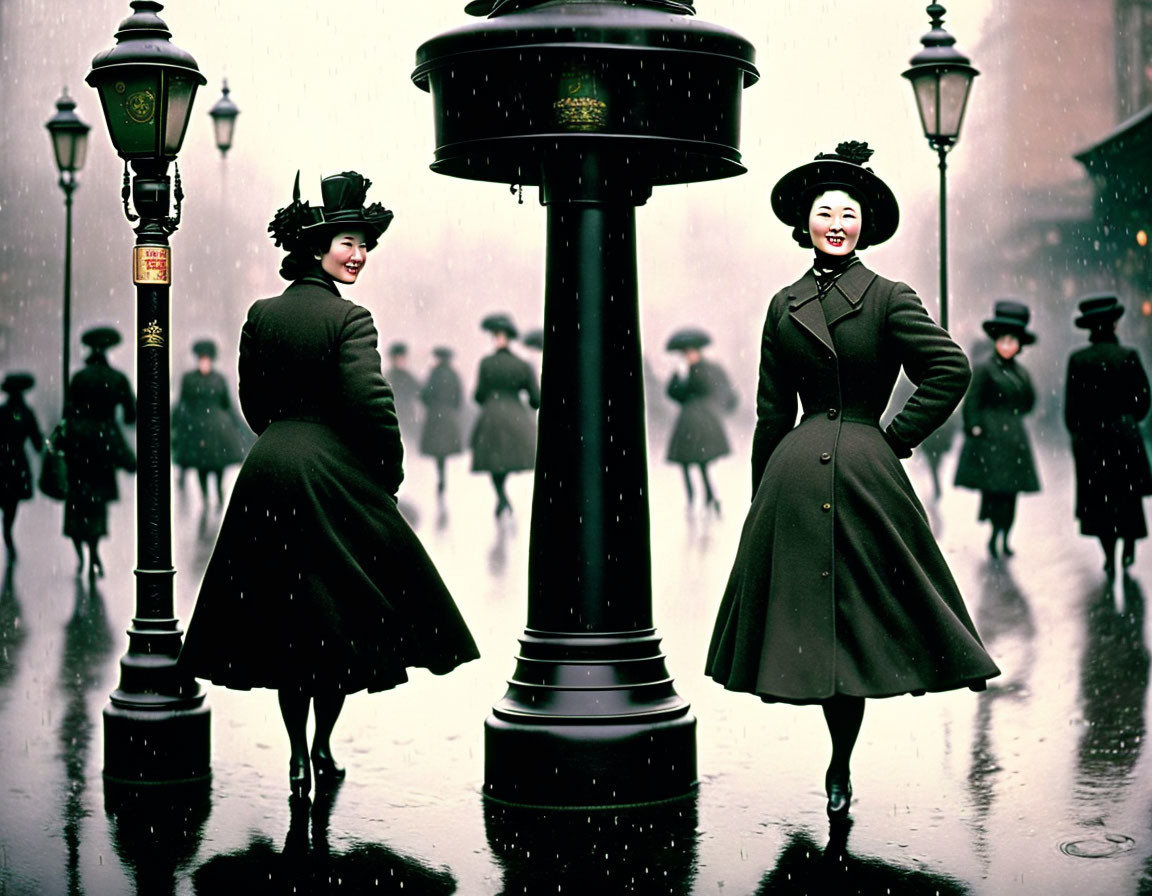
pixel 152 336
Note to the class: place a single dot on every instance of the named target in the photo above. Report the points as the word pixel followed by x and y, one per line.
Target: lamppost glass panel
pixel 941 97
pixel 129 98
pixel 181 93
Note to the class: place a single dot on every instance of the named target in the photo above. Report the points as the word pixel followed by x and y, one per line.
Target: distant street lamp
pixel 70 144
pixel 224 121
pixel 156 728
pixel 941 77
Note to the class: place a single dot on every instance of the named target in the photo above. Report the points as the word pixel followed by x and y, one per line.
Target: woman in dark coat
pixel 704 395
pixel 317 587
pixel 205 431
pixel 94 446
pixel 1105 399
pixel 442 396
pixel 997 457
pixel 18 425
pixel 839 591
pixel 504 437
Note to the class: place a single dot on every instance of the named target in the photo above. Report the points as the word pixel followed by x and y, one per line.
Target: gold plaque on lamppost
pixel 151 264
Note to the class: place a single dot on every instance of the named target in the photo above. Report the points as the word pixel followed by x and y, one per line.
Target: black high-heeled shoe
pixel 839 792
pixel 328 773
pixel 299 777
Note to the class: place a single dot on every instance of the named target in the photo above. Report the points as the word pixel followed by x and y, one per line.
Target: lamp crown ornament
pixel 939 45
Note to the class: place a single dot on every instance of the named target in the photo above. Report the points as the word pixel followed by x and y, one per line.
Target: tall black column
pixel 591 716
pixel 156 728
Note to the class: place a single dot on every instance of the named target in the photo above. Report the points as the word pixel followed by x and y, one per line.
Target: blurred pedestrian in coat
pixel 504 437
pixel 839 591
pixel 317 587
pixel 406 390
pixel 1106 396
pixel 996 458
pixel 443 397
pixel 18 425
pixel 94 446
pixel 704 394
pixel 206 434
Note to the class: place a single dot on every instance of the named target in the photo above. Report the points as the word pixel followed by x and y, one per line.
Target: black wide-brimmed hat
pixel 1098 310
pixel 844 170
pixel 204 348
pixel 500 323
pixel 298 226
pixel 101 338
pixel 688 337
pixel 443 352
pixel 15 383
pixel 534 339
pixel 1010 317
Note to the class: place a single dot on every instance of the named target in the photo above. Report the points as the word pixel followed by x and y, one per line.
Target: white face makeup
pixel 346 256
pixel 834 223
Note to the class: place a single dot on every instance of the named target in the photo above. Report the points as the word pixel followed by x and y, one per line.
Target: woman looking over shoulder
pixel 839 591
pixel 317 587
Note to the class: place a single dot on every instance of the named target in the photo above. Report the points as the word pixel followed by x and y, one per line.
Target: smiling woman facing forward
pixel 316 586
pixel 839 591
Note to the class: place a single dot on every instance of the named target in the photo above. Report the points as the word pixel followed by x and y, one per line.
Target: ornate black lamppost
pixel 70 145
pixel 595 102
pixel 156 728
pixel 224 121
pixel 941 77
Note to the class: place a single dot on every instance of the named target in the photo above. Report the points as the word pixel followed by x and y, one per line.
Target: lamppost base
pixel 589 763
pixel 162 742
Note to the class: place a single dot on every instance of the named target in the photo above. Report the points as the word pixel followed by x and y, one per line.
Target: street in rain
pixel 608 551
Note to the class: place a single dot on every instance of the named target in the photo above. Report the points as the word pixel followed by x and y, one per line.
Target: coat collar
pixel 842 300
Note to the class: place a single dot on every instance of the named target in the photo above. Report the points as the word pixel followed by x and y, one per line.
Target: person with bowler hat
pixel 1106 396
pixel 206 434
pixel 317 587
pixel 443 397
pixel 504 435
pixel 18 425
pixel 839 591
pixel 996 458
pixel 94 446
pixel 406 392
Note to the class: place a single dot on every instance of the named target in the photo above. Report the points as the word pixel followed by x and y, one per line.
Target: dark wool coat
pixel 17 425
pixel 316 583
pixel 443 397
pixel 206 434
pixel 1106 397
pixel 705 395
pixel 997 455
pixel 838 585
pixel 94 445
pixel 504 437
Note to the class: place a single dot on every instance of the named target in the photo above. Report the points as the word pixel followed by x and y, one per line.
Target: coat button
pixel 826 507
pixel 833 413
pixel 825 574
pixel 825 457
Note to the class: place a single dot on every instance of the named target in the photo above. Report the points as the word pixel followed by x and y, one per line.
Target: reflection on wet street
pixel 1038 785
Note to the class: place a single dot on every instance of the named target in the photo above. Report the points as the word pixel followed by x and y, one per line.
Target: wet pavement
pixel 1037 786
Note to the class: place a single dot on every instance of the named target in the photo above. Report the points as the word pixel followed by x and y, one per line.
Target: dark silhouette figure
pixel 206 433
pixel 406 392
pixel 504 436
pixel 443 397
pixel 317 587
pixel 95 447
pixel 18 425
pixel 996 459
pixel 839 591
pixel 704 395
pixel 1106 396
